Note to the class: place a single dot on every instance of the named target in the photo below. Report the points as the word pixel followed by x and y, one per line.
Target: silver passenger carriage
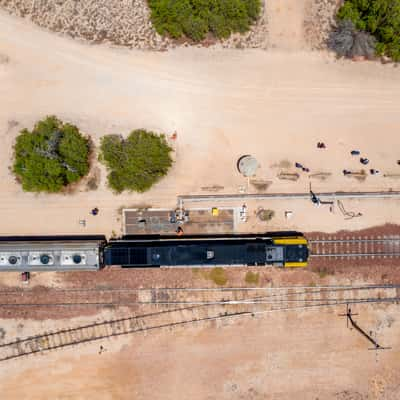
pixel 25 254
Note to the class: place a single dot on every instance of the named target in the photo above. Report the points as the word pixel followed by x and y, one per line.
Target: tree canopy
pixel 381 18
pixel 51 156
pixel 137 162
pixel 196 18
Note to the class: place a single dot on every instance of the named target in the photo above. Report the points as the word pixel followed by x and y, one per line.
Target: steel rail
pixel 168 303
pixel 387 300
pixel 344 241
pixel 271 297
pixel 355 255
pixel 317 248
pixel 219 289
pixel 225 289
pixel 12 345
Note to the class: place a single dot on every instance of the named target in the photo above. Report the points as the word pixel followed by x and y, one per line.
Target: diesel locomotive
pixel 286 250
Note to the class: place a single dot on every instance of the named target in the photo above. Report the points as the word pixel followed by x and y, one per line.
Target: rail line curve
pixel 280 300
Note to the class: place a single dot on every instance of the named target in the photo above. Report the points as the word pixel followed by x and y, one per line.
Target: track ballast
pixel 355 247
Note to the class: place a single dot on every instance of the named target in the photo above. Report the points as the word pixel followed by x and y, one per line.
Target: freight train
pixel 88 253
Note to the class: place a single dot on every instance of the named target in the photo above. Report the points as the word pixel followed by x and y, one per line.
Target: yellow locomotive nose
pixel 296 251
pixel 295 264
pixel 291 240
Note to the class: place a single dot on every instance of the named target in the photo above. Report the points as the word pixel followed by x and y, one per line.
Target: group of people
pixel 320 145
pixel 298 165
pixel 363 160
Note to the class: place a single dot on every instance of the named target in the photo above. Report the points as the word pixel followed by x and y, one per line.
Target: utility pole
pixel 349 318
pixel 316 200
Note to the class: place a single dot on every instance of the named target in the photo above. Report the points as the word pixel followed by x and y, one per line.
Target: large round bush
pixel 51 156
pixel 137 162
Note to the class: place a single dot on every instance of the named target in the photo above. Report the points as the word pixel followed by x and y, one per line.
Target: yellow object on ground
pixel 215 212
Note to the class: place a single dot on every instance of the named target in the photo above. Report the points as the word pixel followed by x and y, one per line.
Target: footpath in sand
pixel 287 35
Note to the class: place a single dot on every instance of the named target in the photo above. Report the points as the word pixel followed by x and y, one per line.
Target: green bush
pixel 252 277
pixel 381 18
pixel 137 162
pixel 218 276
pixel 50 157
pixel 196 18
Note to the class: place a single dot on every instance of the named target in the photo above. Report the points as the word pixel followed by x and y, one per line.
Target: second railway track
pixel 176 307
pixel 166 319
pixel 186 296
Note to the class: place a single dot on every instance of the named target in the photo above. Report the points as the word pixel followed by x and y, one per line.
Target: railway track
pixel 189 296
pixel 178 307
pixel 353 247
pixel 168 319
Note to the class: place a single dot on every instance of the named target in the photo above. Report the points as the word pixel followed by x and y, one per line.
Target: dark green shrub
pixel 380 18
pixel 137 162
pixel 50 157
pixel 196 18
pixel 195 28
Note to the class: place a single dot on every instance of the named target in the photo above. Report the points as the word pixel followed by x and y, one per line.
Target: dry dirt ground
pixel 306 355
pixel 273 104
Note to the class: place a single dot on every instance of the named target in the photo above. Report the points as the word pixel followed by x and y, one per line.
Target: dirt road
pixel 274 105
pixel 290 34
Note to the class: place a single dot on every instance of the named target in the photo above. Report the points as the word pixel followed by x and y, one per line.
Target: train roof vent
pixel 39 258
pixel 45 259
pixel 73 258
pixel 76 258
pixel 10 259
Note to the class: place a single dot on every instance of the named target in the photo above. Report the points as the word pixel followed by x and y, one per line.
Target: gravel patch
pixel 117 22
pixel 319 22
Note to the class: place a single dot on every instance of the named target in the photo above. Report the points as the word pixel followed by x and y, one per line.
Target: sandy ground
pixel 306 355
pixel 288 35
pixel 275 105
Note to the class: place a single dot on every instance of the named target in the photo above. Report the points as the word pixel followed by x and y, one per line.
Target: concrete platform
pixel 157 221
